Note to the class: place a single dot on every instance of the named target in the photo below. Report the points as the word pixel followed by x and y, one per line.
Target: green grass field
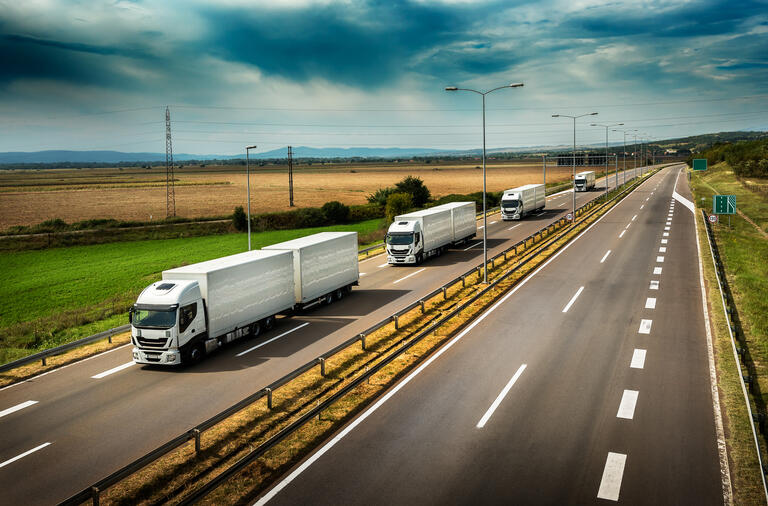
pixel 52 296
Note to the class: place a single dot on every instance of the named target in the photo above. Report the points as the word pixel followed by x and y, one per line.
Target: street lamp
pixel 606 153
pixel 624 154
pixel 573 159
pixel 248 172
pixel 485 219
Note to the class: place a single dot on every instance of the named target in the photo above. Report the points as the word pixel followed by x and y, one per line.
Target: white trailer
pixel 464 220
pixel 199 307
pixel 324 266
pixel 419 235
pixel 518 202
pixel 584 181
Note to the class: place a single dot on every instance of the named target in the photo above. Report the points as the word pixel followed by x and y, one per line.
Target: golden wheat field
pixel 29 197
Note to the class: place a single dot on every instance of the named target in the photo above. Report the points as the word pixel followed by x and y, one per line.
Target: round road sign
pixel 713 218
pixel 569 217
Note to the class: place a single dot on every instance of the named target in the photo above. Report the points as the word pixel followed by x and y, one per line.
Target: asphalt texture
pixel 96 423
pixel 566 431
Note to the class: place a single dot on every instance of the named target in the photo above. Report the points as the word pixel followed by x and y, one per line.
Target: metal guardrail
pixel 93 492
pixel 43 355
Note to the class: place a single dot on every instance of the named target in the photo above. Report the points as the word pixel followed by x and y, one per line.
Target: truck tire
pixel 269 322
pixel 328 299
pixel 339 294
pixel 196 354
pixel 255 329
pixel 419 258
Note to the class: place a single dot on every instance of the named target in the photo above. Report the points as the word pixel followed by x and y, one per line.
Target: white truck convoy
pixel 197 308
pixel 521 201
pixel 584 181
pixel 415 236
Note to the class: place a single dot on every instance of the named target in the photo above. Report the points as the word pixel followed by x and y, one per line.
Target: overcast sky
pixel 324 73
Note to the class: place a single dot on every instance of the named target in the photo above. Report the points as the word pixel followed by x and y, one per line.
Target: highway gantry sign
pixel 699 164
pixel 724 204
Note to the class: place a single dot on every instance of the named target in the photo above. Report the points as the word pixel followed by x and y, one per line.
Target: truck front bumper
pixel 162 357
pixel 408 259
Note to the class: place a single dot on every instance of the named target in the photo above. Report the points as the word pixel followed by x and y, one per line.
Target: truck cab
pixel 168 324
pixel 404 243
pixel 511 206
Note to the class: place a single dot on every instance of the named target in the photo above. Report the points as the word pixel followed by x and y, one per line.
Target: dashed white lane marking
pixel 476 244
pixel 500 397
pixel 363 274
pixel 645 327
pixel 382 265
pixel 664 241
pixel 513 226
pixel 650 303
pixel 662 249
pixel 491 223
pixel 408 276
pixel 622 233
pixel 539 214
pixel 654 284
pixel 667 228
pixel 660 259
pixel 627 405
pixel 17 407
pixel 628 224
pixel 638 359
pixel 642 206
pixel 573 299
pixel 481 226
pixel 21 456
pixel 113 370
pixel 647 199
pixel 666 234
pixel 634 217
pixel 610 484
pixel 605 256
pixel 273 339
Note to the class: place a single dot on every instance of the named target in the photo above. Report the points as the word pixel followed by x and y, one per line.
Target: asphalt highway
pixel 64 430
pixel 589 383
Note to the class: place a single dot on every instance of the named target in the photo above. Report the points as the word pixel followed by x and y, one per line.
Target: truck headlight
pixel 135 355
pixel 171 357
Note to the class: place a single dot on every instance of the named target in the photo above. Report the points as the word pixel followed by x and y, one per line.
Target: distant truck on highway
pixel 198 308
pixel 416 236
pixel 584 181
pixel 518 202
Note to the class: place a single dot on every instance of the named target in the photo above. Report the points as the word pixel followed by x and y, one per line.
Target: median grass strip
pixel 180 471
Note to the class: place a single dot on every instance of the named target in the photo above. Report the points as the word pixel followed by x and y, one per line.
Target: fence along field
pixel 28 197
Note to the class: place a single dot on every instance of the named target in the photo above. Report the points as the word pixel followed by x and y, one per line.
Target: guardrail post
pixel 362 341
pixel 463 281
pixel 43 360
pixel 109 338
pixel 321 360
pixel 396 319
pixel 269 397
pixel 95 495
pixel 196 434
pixel 445 293
pixel 421 303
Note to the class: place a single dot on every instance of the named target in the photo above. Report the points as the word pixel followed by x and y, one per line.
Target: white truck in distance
pixel 584 181
pixel 518 202
pixel 415 236
pixel 198 308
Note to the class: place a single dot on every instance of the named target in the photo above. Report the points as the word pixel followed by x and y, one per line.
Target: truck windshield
pixel 400 239
pixel 150 319
pixel 509 204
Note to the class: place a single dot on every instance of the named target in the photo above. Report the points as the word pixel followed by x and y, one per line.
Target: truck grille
pixel 152 357
pixel 152 343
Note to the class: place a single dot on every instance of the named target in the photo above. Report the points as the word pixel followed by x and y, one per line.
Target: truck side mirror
pixel 130 315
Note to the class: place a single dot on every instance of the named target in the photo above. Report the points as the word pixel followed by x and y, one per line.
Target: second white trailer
pixel 584 181
pixel 521 201
pixel 463 220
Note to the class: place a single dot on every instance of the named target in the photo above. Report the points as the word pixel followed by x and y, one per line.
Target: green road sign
pixel 699 164
pixel 724 204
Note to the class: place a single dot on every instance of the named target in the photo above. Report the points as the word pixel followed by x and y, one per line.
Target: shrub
pixel 415 187
pixel 398 203
pixel 239 219
pixel 365 212
pixel 379 197
pixel 335 212
pixel 309 217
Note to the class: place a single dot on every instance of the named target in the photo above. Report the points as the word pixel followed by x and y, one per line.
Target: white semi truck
pixel 584 181
pixel 198 308
pixel 419 235
pixel 518 202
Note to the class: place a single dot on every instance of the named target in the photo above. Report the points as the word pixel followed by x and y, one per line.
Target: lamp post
pixel 248 175
pixel 624 154
pixel 485 219
pixel 606 153
pixel 573 158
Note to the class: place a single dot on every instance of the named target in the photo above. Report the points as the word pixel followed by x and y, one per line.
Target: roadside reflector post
pixel 196 434
pixel 269 397
pixel 396 319
pixel 321 361
pixel 362 341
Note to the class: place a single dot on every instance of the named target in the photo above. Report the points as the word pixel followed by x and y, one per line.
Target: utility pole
pixel 290 175
pixel 544 168
pixel 170 196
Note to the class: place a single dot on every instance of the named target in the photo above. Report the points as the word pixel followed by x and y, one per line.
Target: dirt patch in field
pixel 30 197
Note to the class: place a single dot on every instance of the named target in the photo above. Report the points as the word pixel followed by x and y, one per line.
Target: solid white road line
pixel 16 408
pixel 654 284
pixel 382 265
pixel 622 233
pixel 650 303
pixel 610 484
pixel 476 244
pixel 513 226
pixel 17 457
pixel 627 405
pixel 500 397
pixel 113 370
pixel 662 249
pixel 273 339
pixel 408 276
pixel 657 270
pixel 660 259
pixel 573 299
pixel 638 359
pixel 605 256
pixel 645 326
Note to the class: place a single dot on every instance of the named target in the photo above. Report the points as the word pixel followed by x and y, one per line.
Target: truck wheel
pixel 328 299
pixel 269 322
pixel 255 329
pixel 419 258
pixel 196 354
pixel 339 294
